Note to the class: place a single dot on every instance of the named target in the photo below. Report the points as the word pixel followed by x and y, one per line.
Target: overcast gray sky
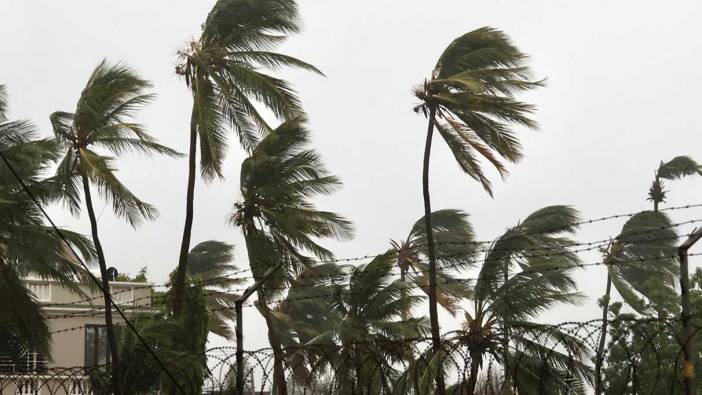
pixel 622 94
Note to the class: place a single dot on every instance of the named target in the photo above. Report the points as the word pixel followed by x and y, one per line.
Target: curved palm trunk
pixel 109 326
pixel 433 313
pixel 274 340
pixel 179 291
pixel 475 360
pixel 603 336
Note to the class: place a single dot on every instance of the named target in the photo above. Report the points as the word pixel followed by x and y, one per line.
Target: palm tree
pixel 223 70
pixel 676 168
pixel 303 315
pixel 102 119
pixel 27 246
pixel 469 99
pixel 209 266
pixel 454 248
pixel 278 220
pixel 368 336
pixel 638 260
pixel 506 302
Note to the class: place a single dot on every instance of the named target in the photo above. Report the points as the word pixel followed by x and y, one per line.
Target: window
pixel 96 348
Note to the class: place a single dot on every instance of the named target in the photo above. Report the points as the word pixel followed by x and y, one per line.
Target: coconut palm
pixel 279 222
pixel 676 168
pixel 103 119
pixel 525 272
pixel 27 246
pixel 454 248
pixel 209 265
pixel 368 337
pixel 639 260
pixel 224 70
pixel 469 100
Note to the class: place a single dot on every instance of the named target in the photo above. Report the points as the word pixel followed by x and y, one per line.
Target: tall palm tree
pixel 103 120
pixel 506 301
pixel 638 260
pixel 223 70
pixel 454 248
pixel 368 335
pixel 27 246
pixel 676 168
pixel 469 100
pixel 279 222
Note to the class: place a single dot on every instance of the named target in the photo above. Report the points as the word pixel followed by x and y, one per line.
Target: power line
pixel 97 282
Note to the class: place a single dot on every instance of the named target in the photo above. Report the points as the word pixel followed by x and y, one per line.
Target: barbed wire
pixel 339 277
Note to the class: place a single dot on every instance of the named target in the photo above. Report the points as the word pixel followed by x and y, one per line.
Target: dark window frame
pixel 94 359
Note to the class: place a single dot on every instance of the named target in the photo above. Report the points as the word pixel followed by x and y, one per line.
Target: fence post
pixel 688 365
pixel 240 330
pixel 239 348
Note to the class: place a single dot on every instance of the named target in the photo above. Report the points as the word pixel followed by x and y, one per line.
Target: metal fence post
pixel 688 364
pixel 239 327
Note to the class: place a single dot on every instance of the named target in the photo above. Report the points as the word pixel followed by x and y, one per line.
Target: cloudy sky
pixel 622 95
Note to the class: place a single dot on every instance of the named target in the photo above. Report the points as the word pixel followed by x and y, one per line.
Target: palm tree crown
pixel 676 168
pixel 102 120
pixel 455 250
pixel 223 71
pixel 470 93
pixel 506 301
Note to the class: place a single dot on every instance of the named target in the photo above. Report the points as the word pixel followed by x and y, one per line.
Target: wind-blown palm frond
pixel 3 103
pixel 453 235
pixel 643 253
pixel 209 264
pixel 368 330
pixel 23 326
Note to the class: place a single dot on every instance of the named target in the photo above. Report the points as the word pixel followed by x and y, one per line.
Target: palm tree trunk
pixel 507 384
pixel 404 314
pixel 603 334
pixel 433 312
pixel 109 327
pixel 474 371
pixel 179 290
pixel 274 340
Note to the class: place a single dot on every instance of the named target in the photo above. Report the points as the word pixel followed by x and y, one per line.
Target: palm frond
pixel 679 167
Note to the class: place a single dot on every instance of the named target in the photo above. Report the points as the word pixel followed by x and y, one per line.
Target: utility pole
pixel 688 365
pixel 239 327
